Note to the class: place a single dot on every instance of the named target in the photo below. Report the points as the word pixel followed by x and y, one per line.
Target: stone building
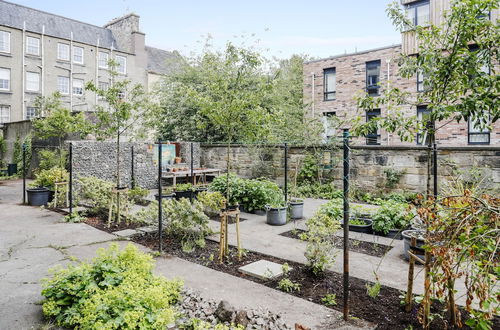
pixel 41 53
pixel 331 84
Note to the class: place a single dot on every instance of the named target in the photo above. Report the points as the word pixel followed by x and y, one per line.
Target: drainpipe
pixel 71 72
pixel 23 72
pixel 42 68
pixel 388 61
pixel 97 68
pixel 313 76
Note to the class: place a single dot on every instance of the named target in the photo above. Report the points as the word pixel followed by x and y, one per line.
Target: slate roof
pixel 13 15
pixel 161 61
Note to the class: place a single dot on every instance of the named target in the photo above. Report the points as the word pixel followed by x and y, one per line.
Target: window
pixel 373 77
pixel 419 13
pixel 77 87
pixel 4 79
pixel 424 117
pixel 329 84
pixel 373 137
pixel 78 55
pixel 5 41
pixel 32 46
pixel 63 84
pixel 122 64
pixel 4 114
pixel 104 86
pixel 420 81
pixel 33 81
pixel 31 112
pixel 328 120
pixel 482 58
pixel 121 95
pixel 478 135
pixel 103 60
pixel 63 52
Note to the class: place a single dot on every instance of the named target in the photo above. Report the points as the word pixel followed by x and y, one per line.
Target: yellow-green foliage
pixel 47 178
pixel 117 290
pixel 212 201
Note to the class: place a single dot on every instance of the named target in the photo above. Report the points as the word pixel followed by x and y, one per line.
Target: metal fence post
pixel 435 169
pixel 346 223
pixel 286 172
pixel 24 173
pixel 132 169
pixel 70 193
pixel 160 200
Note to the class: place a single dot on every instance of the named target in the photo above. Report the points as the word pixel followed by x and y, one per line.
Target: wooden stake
pixel 411 269
pixel 427 291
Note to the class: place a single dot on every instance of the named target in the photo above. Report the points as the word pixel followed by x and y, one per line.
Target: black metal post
pixel 132 169
pixel 435 169
pixel 346 224
pixel 24 173
pixel 191 162
pixel 286 172
pixel 160 200
pixel 70 193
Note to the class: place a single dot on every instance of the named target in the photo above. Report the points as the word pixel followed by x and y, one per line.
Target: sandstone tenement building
pixel 41 53
pixel 331 84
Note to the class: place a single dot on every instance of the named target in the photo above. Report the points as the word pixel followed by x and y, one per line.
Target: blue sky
pixel 317 28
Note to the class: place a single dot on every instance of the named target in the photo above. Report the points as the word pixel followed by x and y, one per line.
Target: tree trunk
pixel 228 165
pixel 118 177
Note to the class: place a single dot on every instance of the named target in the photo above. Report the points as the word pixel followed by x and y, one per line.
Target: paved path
pixel 33 239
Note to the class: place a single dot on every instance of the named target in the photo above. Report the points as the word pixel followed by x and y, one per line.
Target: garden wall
pixel 368 163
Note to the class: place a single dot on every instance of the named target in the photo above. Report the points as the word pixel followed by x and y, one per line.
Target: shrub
pixel 309 172
pixel 47 178
pixel 236 185
pixel 137 195
pixel 117 290
pixel 392 177
pixel 52 158
pixel 212 201
pixel 391 215
pixel 185 187
pixel 318 190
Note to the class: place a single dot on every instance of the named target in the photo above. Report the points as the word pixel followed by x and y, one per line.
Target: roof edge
pixel 354 53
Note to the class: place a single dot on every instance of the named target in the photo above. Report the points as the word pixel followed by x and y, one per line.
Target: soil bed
pixel 384 310
pixel 369 248
pixel 101 224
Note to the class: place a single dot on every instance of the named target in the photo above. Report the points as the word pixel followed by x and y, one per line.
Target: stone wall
pixel 368 163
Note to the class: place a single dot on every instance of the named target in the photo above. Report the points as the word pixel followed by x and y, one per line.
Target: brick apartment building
pixel 41 53
pixel 331 84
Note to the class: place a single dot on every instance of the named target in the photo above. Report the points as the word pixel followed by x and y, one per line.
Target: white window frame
pixel 32 85
pixel 75 48
pixel 4 80
pixel 474 132
pixel 31 48
pixel 329 90
pixel 103 85
pixel 30 109
pixel 124 71
pixel 63 55
pixel 63 88
pixel 5 43
pixel 4 109
pixel 78 86
pixel 103 61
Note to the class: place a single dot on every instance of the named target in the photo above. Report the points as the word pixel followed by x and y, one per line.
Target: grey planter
pixel 297 209
pixel 276 216
pixel 38 196
pixel 407 235
pixel 366 228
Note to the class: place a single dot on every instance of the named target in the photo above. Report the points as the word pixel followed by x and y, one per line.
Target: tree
pixel 58 122
pixel 121 112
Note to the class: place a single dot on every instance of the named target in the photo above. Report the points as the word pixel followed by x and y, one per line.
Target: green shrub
pixel 137 194
pixel 391 215
pixel 185 187
pixel 309 172
pixel 47 178
pixel 117 290
pixel 318 190
pixel 212 201
pixel 52 158
pixel 236 187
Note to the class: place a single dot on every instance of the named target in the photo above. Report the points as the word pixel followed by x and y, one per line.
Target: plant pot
pixel 184 194
pixel 51 195
pixel 199 190
pixel 276 216
pixel 407 235
pixel 164 196
pixel 366 228
pixel 297 209
pixel 38 196
pixel 178 160
pixel 393 233
pixel 11 169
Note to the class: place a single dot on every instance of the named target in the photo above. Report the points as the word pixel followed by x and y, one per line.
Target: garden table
pixel 201 173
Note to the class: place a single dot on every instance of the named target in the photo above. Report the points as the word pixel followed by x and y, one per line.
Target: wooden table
pixel 202 174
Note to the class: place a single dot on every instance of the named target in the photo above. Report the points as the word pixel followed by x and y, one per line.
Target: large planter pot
pixel 199 190
pixel 366 228
pixel 38 196
pixel 297 209
pixel 184 194
pixel 11 169
pixel 276 216
pixel 407 235
pixel 164 196
pixel 393 233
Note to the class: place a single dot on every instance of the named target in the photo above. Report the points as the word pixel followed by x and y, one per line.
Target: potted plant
pixel 391 218
pixel 419 235
pixel 38 196
pixel 185 190
pixel 276 211
pixel 213 202
pixel 360 220
pixel 44 184
pixel 178 160
pixel 296 208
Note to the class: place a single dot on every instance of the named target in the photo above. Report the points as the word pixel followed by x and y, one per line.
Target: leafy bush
pixel 317 190
pixel 391 215
pixel 117 290
pixel 185 187
pixel 47 178
pixel 309 172
pixel 52 158
pixel 252 194
pixel 137 194
pixel 320 237
pixel 392 177
pixel 212 201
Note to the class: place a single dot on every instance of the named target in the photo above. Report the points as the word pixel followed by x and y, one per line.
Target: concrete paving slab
pixel 148 229
pixel 126 233
pixel 263 269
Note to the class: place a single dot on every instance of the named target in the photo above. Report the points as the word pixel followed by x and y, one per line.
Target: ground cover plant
pixel 391 215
